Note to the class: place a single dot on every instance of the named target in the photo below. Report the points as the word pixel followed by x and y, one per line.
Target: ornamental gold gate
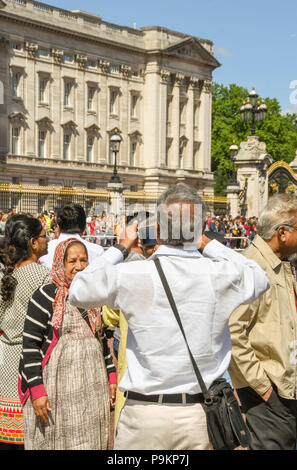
pixel 281 179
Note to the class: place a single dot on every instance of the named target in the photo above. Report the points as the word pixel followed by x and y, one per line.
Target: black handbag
pixel 225 424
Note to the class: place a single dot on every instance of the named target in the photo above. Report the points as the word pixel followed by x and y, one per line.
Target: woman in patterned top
pixel 24 243
pixel 63 376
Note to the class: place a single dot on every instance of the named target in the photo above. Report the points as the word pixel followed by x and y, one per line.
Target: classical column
pixel 175 123
pixel 104 112
pixel 204 159
pixel 190 123
pixel 57 103
pixel 79 105
pixel 151 119
pixel 164 75
pixel 29 97
pixel 5 93
pixel 124 115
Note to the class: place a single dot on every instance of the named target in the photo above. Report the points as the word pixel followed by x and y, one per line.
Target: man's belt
pixel 183 398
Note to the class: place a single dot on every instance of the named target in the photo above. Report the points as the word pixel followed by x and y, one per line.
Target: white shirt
pixel 206 289
pixel 93 249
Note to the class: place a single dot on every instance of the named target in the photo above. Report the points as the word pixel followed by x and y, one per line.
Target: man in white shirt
pixel 163 408
pixel 71 220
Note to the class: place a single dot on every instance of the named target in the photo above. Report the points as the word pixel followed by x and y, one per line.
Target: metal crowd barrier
pixel 241 247
pixel 104 240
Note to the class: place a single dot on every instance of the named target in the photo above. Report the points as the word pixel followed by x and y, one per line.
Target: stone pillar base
pixel 233 196
pixel 117 200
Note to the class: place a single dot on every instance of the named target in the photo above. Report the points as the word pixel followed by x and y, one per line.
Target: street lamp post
pixel 233 151
pixel 253 109
pixel 115 142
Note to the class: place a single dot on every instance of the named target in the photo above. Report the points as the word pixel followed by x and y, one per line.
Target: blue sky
pixel 255 40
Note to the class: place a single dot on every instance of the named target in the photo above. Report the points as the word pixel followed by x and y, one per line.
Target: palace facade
pixel 70 79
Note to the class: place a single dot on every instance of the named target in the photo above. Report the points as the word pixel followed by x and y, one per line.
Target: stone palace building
pixel 70 79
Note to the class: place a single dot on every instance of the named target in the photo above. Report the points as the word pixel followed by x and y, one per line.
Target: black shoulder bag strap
pixel 176 314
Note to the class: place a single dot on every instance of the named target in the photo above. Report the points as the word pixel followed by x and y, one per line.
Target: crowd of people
pixel 63 296
pixel 237 231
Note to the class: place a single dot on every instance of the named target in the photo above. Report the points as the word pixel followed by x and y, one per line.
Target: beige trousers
pixel 152 426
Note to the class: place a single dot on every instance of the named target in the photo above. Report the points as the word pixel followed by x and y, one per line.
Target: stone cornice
pixel 71 33
pixel 69 165
pixel 64 31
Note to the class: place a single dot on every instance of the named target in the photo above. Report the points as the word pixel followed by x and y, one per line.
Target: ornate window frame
pixel 19 71
pixel 17 121
pixel 92 132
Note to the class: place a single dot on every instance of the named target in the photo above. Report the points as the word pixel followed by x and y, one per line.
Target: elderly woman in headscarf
pixel 65 364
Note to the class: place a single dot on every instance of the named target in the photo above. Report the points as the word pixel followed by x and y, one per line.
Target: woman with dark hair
pixel 20 275
pixel 63 383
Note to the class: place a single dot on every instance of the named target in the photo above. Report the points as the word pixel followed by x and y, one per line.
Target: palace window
pixel 180 157
pixel 16 76
pixel 66 147
pixel 16 46
pixel 91 93
pixel 91 63
pixel 67 93
pixel 41 144
pixel 134 105
pixel 133 149
pixel 113 102
pixel 42 53
pixel 182 111
pixel 68 58
pixel 114 69
pixel 15 140
pixel 42 88
pixel 90 149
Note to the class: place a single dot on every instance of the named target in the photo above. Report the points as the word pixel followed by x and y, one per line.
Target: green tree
pixel 278 131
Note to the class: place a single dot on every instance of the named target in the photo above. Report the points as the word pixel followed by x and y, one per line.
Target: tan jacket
pixel 263 334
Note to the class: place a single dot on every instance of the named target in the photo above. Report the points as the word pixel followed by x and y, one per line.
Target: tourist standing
pixel 63 372
pixel 164 409
pixel 263 368
pixel 25 241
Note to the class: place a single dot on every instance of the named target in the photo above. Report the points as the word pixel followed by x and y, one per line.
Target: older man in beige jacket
pixel 263 367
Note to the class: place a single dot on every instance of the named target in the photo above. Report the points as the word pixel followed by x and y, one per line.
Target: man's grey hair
pixel 180 215
pixel 280 210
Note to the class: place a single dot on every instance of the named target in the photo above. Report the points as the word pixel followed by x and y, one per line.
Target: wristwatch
pixel 124 250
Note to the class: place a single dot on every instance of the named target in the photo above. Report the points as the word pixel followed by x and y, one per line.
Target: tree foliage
pixel 278 131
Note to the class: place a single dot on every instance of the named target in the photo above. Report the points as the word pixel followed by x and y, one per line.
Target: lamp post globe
pixel 253 95
pixel 254 109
